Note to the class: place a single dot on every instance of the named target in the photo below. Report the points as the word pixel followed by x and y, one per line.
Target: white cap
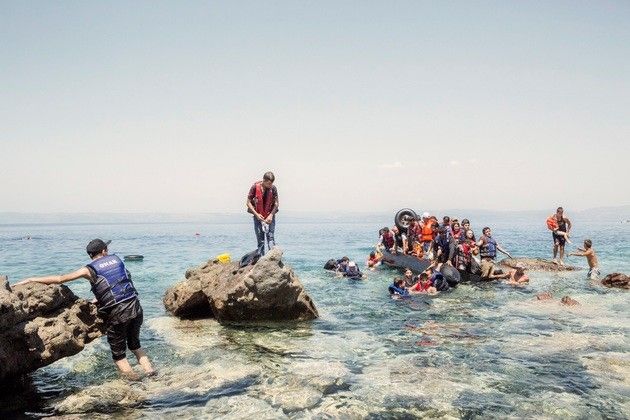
pixel 352 264
pixel 426 215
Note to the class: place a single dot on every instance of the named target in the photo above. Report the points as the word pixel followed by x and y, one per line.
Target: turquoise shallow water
pixel 482 350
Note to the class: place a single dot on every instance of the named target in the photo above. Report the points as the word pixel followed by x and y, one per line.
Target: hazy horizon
pixel 150 107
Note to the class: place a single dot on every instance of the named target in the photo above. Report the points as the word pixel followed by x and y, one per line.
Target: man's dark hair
pixel 588 243
pixel 345 259
pixel 385 229
pixel 269 176
pixel 559 209
pixel 446 218
pixel 424 276
pixel 484 230
pixel 465 221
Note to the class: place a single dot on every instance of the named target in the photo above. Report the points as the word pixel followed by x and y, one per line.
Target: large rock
pixel 266 291
pixel 617 280
pixel 40 324
pixel 537 264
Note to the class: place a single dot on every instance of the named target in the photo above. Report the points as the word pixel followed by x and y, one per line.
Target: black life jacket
pixel 113 283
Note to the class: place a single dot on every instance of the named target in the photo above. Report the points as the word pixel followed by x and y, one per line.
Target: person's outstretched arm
pixel 58 279
pixel 504 251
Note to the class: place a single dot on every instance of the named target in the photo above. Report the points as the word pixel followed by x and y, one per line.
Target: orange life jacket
pixel 427 231
pixel 552 223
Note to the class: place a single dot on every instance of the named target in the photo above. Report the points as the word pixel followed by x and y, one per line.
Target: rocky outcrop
pixel 40 324
pixel 619 280
pixel 536 264
pixel 266 291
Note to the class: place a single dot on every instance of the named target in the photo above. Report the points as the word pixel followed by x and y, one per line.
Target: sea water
pixel 480 350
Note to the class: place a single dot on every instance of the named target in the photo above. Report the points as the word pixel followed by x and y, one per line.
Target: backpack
pixel 250 258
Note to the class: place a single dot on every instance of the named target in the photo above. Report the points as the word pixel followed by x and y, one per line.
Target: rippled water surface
pixel 479 351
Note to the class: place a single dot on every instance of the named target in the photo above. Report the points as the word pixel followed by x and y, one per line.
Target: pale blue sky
pixel 180 106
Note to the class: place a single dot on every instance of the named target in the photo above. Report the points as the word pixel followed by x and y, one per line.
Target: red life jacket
pixel 263 208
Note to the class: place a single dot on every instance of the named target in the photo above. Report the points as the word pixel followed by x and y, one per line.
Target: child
pixel 423 285
pixel 554 227
pixel 591 258
pixel 373 261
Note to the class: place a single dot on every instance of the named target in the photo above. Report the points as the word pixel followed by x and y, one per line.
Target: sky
pixel 156 106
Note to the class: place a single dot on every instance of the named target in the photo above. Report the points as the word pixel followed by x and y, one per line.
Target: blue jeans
pixel 260 235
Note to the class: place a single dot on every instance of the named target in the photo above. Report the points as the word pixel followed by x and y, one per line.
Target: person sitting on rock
pixel 117 301
pixel 591 258
pixel 489 271
pixel 488 246
pixel 518 276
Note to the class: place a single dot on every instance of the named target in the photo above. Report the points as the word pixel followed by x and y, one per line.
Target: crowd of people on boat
pixel 450 242
pixel 455 244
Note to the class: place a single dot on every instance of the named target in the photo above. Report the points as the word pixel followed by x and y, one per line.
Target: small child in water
pixel 591 258
pixel 373 261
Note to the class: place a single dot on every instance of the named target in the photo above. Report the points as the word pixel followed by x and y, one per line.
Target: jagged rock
pixel 617 280
pixel 536 264
pixel 266 291
pixel 40 324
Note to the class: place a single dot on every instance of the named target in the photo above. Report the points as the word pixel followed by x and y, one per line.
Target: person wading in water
pixel 262 202
pixel 117 301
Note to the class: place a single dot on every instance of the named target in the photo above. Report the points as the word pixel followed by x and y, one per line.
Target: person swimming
pixel 397 289
pixel 423 285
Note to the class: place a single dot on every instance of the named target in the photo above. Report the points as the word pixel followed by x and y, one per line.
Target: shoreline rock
pixel 536 264
pixel 41 324
pixel 266 291
pixel 618 280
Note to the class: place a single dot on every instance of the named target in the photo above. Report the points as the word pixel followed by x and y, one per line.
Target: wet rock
pixel 266 291
pixel 40 324
pixel 619 280
pixel 536 264
pixel 567 300
pixel 242 407
pixel 544 296
pixel 4 284
pixel 181 383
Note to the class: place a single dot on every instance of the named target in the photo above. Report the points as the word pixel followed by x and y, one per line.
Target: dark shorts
pixel 123 336
pixel 558 240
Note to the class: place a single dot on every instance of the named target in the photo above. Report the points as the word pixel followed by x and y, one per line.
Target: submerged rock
pixel 181 383
pixel 537 264
pixel 266 291
pixel 40 324
pixel 619 280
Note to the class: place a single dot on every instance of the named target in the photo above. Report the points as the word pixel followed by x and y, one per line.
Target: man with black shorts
pixel 117 301
pixel 559 241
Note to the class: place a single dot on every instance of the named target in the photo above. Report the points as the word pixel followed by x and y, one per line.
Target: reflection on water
pixel 480 350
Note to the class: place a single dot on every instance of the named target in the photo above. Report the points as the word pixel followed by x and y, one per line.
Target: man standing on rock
pixel 117 301
pixel 262 202
pixel 559 241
